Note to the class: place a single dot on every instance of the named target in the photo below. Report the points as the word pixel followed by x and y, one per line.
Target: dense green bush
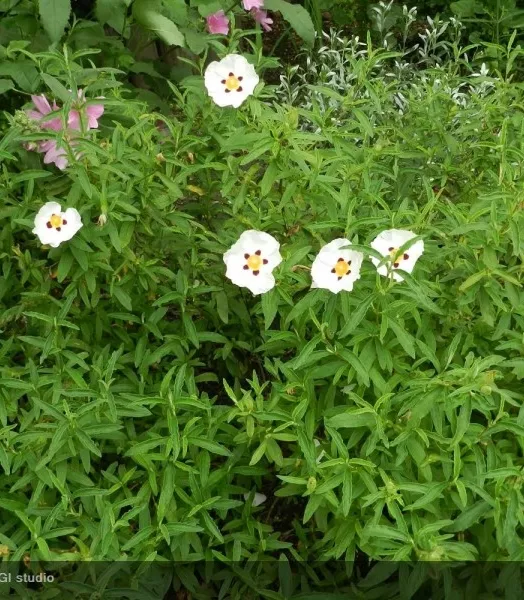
pixel 143 394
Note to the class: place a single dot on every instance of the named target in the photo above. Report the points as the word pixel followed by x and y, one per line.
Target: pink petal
pixel 51 150
pixel 47 145
pixel 33 114
pixel 261 17
pixel 73 120
pixel 249 4
pixel 218 23
pixel 53 124
pixel 55 155
pixel 42 104
pixel 61 162
pixel 94 112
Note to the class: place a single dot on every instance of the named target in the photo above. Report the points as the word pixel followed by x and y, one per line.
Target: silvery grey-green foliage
pixel 142 394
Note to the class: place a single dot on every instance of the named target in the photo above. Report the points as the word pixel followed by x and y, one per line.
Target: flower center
pixel 232 83
pixel 254 262
pixel 341 268
pixel 392 252
pixel 56 222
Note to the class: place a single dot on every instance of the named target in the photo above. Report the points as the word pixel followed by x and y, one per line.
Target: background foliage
pixel 142 394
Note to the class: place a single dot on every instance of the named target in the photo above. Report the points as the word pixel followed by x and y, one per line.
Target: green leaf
pixel 355 362
pixel 144 447
pixel 464 8
pixel 123 297
pixel 56 87
pixel 5 85
pixel 139 538
pixel 405 340
pixel 168 487
pixel 470 516
pixel 213 447
pixel 24 74
pixel 64 266
pixel 145 14
pixel 270 307
pixel 190 330
pixel 258 453
pixel 112 12
pixel 80 257
pixel 54 15
pixel 354 418
pixel 197 42
pixel 222 306
pixel 471 280
pixel 297 16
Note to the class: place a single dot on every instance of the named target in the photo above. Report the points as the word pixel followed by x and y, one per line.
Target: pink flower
pixel 43 108
pixel 88 114
pixel 218 23
pixel 57 154
pixel 91 113
pixel 54 154
pixel 249 4
pixel 261 17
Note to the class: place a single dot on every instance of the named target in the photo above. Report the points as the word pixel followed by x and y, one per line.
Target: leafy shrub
pixel 143 394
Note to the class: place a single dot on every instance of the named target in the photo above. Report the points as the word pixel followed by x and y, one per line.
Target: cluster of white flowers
pixel 251 260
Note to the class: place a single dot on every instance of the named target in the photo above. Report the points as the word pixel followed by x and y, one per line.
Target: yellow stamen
pixel 254 262
pixel 56 220
pixel 232 82
pixel 341 268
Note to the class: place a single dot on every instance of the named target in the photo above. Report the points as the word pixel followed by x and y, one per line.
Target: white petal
pixel 237 98
pixel 46 236
pixel 252 240
pixel 222 98
pixel 235 63
pixel 391 237
pixel 42 216
pixel 257 500
pixel 337 244
pixel 74 222
pixel 260 284
pixel 213 70
pixel 235 269
pixel 273 260
pixel 257 284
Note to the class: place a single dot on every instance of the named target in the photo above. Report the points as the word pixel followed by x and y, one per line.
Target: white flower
pixel 336 269
pixel 388 243
pixel 230 81
pixel 257 500
pixel 52 226
pixel 251 260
